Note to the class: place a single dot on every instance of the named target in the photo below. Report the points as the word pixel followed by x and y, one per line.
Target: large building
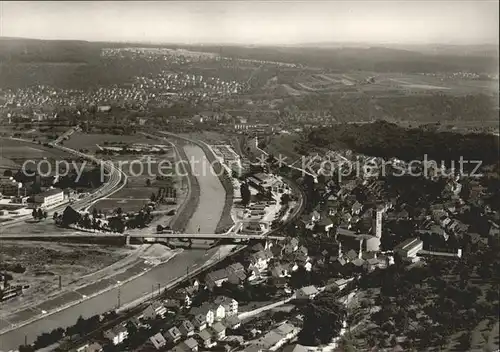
pixel 48 198
pixel 409 248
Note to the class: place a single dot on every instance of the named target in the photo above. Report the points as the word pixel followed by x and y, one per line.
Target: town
pixel 227 197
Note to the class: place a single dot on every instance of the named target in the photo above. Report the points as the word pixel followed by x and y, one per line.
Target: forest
pixel 387 140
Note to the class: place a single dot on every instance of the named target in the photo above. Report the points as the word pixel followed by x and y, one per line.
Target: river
pixel 206 216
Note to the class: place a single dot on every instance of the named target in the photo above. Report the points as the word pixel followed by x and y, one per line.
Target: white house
pixel 230 305
pixel 219 311
pixel 155 309
pixel 117 334
pixel 206 311
pixel 307 292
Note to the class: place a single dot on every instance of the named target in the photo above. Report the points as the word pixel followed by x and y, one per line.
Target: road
pixel 252 313
pixel 117 180
pixel 206 216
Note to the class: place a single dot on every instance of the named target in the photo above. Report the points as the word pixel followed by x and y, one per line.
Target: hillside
pixel 383 139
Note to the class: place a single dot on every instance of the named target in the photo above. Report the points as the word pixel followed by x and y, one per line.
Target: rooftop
pixel 50 192
pixel 409 243
pixel 309 290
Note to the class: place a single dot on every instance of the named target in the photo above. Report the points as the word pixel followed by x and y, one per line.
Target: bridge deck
pixel 153 235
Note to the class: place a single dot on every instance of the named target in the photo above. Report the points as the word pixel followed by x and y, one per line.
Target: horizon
pixel 345 44
pixel 261 23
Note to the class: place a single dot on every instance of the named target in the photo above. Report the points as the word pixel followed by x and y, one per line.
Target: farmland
pixel 80 140
pixel 149 166
pixel 14 153
pixel 313 81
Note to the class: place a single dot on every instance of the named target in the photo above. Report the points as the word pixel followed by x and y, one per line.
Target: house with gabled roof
pixel 205 337
pixel 307 292
pixel 155 309
pixel 206 310
pixel 200 322
pixel 230 305
pixel 219 331
pixel 173 334
pixel 186 328
pixel 295 348
pixel 190 345
pixel 158 340
pixel 280 269
pixel 232 322
pixel 116 334
pixel 216 278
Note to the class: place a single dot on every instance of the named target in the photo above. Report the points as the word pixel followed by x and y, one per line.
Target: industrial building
pixel 409 248
pixel 48 198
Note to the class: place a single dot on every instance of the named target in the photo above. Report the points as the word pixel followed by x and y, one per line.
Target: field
pixel 81 140
pixel 141 169
pixel 209 137
pixel 283 145
pixel 108 205
pixel 45 262
pixel 295 83
pixel 8 163
pixel 14 153
pixel 14 149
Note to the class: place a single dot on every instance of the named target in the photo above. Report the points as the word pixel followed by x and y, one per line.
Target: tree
pixel 159 228
pixel 119 211
pixel 27 348
pixel 45 215
pixel 116 225
pixel 70 216
pixel 245 194
pixel 285 198
pixel 323 320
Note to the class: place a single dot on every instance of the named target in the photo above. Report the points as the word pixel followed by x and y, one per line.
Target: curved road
pixel 206 216
pixel 117 180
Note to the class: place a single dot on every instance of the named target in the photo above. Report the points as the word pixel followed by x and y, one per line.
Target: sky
pixel 256 22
